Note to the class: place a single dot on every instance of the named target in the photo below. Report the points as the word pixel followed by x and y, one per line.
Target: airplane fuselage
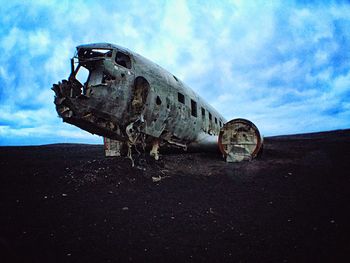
pixel 128 98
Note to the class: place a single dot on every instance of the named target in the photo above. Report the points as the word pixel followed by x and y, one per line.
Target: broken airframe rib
pixel 131 101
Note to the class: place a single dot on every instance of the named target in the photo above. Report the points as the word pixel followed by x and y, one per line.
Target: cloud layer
pixel 284 65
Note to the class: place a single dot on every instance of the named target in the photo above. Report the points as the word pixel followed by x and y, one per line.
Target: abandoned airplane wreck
pixel 133 103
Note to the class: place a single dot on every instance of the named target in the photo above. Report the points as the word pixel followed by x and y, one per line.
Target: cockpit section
pixel 99 91
pixel 99 66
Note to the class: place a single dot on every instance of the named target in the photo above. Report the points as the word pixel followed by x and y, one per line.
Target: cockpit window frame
pixel 93 53
pixel 127 64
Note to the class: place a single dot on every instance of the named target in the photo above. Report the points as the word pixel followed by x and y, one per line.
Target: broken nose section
pixel 62 92
pixel 82 111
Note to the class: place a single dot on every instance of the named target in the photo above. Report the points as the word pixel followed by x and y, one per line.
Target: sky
pixel 285 65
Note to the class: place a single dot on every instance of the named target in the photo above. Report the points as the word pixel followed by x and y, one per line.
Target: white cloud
pixel 38 42
pixel 283 65
pixel 57 62
pixel 341 84
pixel 6 75
pixel 9 41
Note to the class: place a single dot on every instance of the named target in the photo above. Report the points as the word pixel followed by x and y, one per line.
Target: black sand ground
pixel 67 203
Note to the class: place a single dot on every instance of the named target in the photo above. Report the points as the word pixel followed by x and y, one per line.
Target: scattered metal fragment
pixel 157 179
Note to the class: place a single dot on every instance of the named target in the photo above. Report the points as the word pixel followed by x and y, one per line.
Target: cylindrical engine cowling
pixel 239 140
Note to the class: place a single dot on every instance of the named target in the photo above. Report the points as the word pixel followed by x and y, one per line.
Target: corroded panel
pixel 239 140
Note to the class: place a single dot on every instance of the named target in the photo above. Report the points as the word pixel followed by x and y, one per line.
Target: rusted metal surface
pixel 239 140
pixel 112 147
pixel 133 102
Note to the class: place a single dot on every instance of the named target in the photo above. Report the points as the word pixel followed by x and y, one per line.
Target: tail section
pixel 240 140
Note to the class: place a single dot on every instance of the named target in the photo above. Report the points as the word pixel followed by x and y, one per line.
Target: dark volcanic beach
pixel 68 203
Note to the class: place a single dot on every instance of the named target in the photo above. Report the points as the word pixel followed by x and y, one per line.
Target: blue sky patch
pixel 285 65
